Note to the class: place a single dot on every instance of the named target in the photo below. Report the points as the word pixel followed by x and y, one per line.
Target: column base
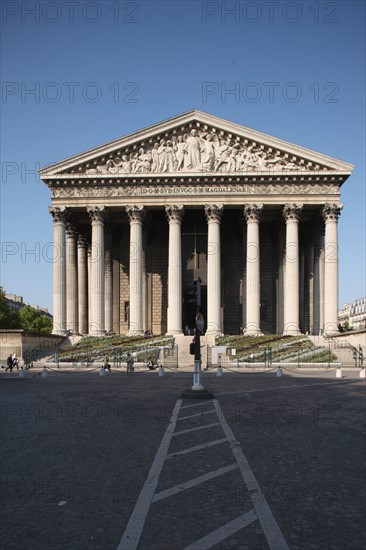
pixel 135 333
pixel 97 333
pixel 252 332
pixel 60 332
pixel 174 332
pixel 292 332
pixel 214 333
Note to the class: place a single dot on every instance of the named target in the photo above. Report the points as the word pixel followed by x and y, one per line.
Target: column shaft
pixel 252 214
pixel 59 271
pixel 291 316
pixel 97 271
pixel 82 286
pixel 331 213
pixel 175 215
pixel 108 285
pixel 72 320
pixel 135 214
pixel 214 314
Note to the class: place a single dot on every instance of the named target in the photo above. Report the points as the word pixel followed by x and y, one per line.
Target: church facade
pixel 138 220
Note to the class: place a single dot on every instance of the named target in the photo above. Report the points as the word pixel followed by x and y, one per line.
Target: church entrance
pixel 194 255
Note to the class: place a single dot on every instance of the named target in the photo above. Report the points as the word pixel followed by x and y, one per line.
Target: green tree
pixel 8 317
pixel 32 319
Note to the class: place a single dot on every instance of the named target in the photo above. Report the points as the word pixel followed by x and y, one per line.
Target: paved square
pixel 123 462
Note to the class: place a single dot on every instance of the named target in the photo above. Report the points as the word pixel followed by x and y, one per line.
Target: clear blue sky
pixel 100 70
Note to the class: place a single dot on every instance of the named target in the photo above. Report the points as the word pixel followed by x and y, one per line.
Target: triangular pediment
pixel 194 143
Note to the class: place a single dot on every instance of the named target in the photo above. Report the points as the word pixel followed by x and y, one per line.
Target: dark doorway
pixel 194 256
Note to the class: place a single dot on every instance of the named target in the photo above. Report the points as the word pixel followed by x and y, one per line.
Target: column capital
pixel 71 230
pixel 81 241
pixel 332 211
pixel 97 214
pixel 292 212
pixel 135 213
pixel 214 212
pixel 174 213
pixel 59 215
pixel 253 212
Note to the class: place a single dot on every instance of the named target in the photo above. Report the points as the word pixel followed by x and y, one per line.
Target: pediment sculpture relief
pixel 199 151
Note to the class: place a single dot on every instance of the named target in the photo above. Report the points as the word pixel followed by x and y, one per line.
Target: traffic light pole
pixel 197 391
pixel 197 375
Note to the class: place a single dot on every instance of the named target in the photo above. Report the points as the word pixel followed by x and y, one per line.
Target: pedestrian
pixel 106 364
pixel 9 363
pixel 15 361
pixel 130 362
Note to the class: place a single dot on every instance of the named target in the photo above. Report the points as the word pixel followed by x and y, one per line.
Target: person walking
pixel 9 363
pixel 130 362
pixel 15 361
pixel 106 364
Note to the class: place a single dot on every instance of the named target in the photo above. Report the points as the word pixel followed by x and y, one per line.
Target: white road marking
pixel 197 428
pixel 205 402
pixel 132 534
pixel 224 532
pixel 197 414
pixel 193 482
pixel 197 448
pixel 269 525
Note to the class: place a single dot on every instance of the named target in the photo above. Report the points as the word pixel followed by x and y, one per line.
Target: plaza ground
pixel 77 451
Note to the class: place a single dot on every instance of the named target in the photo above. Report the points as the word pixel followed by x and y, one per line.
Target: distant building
pixel 354 314
pixel 16 303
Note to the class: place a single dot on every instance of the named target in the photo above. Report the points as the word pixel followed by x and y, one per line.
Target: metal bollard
pixel 161 371
pixel 279 373
pixel 219 372
pixel 101 372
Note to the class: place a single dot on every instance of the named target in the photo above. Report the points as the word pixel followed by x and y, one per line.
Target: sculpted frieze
pixel 196 151
pixel 101 191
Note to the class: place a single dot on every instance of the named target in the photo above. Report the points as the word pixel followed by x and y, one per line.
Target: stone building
pixel 138 219
pixel 354 314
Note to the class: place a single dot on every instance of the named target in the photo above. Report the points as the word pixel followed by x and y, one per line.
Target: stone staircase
pixel 185 359
pixel 342 349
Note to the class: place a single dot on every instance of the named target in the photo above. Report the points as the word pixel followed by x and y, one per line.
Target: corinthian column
pixel 108 283
pixel 291 214
pixel 135 214
pixel 72 321
pixel 175 216
pixel 253 213
pixel 319 279
pixel 331 213
pixel 214 317
pixel 97 216
pixel 82 285
pixel 59 270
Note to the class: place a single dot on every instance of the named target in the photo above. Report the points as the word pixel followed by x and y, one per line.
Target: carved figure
pixel 224 153
pixel 208 154
pixel 193 148
pixel 179 149
pixel 162 156
pixel 155 157
pixel 144 161
pixel 169 157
